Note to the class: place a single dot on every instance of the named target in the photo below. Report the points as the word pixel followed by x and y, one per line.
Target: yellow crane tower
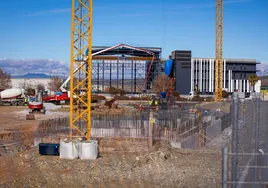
pixel 80 68
pixel 219 59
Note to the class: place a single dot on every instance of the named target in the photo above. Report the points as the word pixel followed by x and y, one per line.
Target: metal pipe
pixel 225 167
pixel 234 136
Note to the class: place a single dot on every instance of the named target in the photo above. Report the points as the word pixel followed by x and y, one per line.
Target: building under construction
pixel 125 67
pixel 134 69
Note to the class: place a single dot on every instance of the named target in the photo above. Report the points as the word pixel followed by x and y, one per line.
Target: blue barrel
pixel 163 94
pixel 49 149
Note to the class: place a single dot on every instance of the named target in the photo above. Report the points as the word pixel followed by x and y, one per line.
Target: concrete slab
pixel 176 145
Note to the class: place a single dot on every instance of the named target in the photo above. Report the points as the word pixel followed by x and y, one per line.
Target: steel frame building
pixel 125 67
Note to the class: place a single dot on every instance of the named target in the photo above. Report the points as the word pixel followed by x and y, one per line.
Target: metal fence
pixel 245 161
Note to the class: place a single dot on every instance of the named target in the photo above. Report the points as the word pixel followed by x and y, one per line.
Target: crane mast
pixel 219 58
pixel 80 68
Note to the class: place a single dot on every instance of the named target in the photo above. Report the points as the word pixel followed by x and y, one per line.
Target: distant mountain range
pixel 32 75
pixel 45 68
pixel 263 69
pixel 34 67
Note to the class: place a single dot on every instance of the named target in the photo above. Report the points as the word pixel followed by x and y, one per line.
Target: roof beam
pixel 122 58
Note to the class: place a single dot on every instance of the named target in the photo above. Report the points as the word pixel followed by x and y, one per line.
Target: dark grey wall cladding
pixel 182 63
pixel 183 79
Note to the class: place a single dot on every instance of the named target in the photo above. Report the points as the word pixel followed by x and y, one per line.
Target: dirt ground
pixel 10 119
pixel 14 127
pixel 162 167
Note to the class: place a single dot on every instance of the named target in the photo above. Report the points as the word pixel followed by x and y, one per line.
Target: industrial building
pixel 190 72
pixel 126 67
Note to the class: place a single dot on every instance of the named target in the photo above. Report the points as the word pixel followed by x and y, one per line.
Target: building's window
pixel 245 68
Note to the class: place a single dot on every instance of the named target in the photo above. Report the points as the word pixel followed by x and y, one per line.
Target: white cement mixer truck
pixel 13 96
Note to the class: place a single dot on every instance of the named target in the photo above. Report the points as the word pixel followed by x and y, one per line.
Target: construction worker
pixel 156 103
pixel 151 102
pixel 25 100
pixel 140 107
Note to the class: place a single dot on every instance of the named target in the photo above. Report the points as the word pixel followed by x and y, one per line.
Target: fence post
pixel 256 100
pixel 151 129
pixel 201 130
pixel 225 167
pixel 234 136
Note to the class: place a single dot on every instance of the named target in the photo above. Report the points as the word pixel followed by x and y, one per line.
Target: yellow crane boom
pixel 219 58
pixel 80 67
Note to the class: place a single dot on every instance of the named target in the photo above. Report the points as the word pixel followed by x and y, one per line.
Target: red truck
pixel 58 98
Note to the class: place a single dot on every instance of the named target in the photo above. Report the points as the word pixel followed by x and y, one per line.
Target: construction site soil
pixel 163 166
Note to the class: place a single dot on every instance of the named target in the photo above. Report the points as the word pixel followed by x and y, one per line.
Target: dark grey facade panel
pixel 183 78
pixel 240 67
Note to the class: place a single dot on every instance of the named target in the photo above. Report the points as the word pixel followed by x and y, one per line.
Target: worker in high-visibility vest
pixel 141 107
pixel 25 100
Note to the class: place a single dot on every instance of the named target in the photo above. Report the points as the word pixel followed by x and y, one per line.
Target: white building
pixel 235 74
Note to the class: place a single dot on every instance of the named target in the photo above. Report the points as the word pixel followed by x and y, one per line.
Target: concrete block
pixel 176 145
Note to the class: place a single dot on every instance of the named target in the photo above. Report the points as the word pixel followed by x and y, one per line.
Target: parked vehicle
pixel 13 96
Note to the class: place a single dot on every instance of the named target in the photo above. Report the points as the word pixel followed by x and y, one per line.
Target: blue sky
pixel 41 28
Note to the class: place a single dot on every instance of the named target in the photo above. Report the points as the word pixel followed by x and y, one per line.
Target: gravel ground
pixel 50 106
pixel 49 115
pixel 164 167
